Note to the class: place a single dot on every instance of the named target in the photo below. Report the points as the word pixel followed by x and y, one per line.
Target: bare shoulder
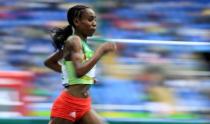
pixel 73 43
pixel 73 40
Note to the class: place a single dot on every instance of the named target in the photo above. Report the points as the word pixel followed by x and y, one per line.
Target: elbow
pixel 79 74
pixel 47 63
pixel 52 65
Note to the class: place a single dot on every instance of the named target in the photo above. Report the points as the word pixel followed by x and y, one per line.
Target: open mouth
pixel 92 29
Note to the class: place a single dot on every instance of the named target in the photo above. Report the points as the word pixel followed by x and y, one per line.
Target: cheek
pixel 87 24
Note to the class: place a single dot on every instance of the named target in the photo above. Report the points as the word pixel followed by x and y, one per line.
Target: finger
pixel 115 46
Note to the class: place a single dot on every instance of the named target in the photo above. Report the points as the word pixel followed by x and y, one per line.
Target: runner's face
pixel 87 22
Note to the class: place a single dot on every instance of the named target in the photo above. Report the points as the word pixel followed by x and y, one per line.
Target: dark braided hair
pixel 59 35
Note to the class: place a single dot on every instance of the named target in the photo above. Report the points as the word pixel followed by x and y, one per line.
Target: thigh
pixel 91 117
pixel 57 120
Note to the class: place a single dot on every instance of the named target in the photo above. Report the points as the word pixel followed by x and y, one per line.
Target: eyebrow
pixel 92 16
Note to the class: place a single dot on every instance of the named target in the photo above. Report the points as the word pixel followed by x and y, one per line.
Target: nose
pixel 94 24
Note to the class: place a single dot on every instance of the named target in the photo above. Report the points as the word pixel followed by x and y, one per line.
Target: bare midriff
pixel 79 90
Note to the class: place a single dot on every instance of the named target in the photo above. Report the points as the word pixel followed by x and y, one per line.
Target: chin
pixel 90 34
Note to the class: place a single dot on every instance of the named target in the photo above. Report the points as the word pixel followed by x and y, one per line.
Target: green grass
pixel 136 115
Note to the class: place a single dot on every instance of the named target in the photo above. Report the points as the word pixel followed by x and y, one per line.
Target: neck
pixel 84 38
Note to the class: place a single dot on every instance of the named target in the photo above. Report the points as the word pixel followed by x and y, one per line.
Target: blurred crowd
pixel 173 78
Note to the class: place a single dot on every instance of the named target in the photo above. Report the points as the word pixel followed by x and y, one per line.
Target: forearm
pixel 83 68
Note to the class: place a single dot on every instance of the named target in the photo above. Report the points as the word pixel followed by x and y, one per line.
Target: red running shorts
pixel 69 107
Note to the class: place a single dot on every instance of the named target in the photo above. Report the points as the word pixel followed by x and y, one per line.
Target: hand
pixel 108 47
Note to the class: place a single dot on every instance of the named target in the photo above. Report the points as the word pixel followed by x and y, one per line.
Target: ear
pixel 76 22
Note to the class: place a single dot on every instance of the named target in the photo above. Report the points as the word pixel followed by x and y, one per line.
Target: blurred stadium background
pixel 161 73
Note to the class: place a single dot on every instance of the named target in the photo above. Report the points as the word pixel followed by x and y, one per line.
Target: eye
pixel 92 18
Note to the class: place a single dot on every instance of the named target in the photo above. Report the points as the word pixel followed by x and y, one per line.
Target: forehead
pixel 88 13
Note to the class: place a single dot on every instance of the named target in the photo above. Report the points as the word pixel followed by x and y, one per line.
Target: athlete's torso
pixel 77 86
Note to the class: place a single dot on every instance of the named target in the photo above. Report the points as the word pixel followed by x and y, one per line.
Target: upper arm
pixel 74 45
